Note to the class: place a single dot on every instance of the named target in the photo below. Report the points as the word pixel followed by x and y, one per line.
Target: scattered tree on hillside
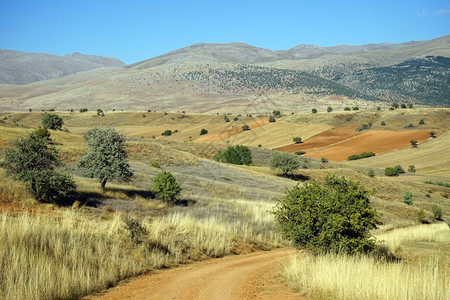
pixel 245 127
pixel 32 160
pixel 329 109
pixel 284 162
pixel 314 110
pixel 356 108
pixel 399 169
pixel 271 119
pixel 432 134
pixel 390 171
pixel 167 132
pixel 237 155
pixel 106 158
pixel 297 140
pixel 165 185
pixel 437 212
pixel 412 169
pixel 335 216
pixel 226 119
pixel 395 105
pixel 413 143
pixel 408 197
pixel 276 113
pixel 203 131
pixel 403 105
pixel 421 122
pixel 347 108
pixel 52 121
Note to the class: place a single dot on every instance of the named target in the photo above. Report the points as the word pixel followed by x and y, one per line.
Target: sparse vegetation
pixel 329 109
pixel 360 156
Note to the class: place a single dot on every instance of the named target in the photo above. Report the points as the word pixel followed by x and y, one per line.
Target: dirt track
pixel 250 276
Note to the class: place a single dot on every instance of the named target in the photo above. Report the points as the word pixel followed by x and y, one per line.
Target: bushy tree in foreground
pixel 32 160
pixel 284 162
pixel 52 121
pixel 106 158
pixel 335 216
pixel 165 185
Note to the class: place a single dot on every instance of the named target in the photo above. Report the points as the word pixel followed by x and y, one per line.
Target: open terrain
pixel 223 209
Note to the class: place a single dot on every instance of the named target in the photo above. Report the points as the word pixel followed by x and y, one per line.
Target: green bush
pixel 271 119
pixel 390 172
pixel 297 140
pixel 383 123
pixel 356 108
pixel 324 160
pixel 203 131
pixel 437 212
pixel 82 110
pixel 166 187
pixel 276 113
pixel 329 109
pixel 52 121
pixel 347 108
pixel 237 155
pixel 421 214
pixel 136 230
pixel 408 197
pixel 432 134
pixel 412 169
pixel 371 173
pixel 300 152
pixel 245 127
pixel 284 162
pixel 335 216
pixel 226 119
pixel 413 143
pixel 421 122
pixel 360 156
pixel 399 169
pixel 167 132
pixel 314 110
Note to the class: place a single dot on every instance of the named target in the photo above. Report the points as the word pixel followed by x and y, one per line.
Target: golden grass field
pixel 68 252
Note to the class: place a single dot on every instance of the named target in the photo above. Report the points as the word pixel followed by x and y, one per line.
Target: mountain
pixel 22 68
pixel 237 77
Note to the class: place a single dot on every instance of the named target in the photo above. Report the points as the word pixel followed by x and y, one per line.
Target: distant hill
pixel 22 68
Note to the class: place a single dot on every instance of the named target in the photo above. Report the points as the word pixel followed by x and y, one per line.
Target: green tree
pixel 412 169
pixel 165 185
pixel 399 169
pixel 329 109
pixel 32 160
pixel 314 110
pixel 371 173
pixel 272 119
pixel 237 155
pixel 106 158
pixel 276 113
pixel 245 127
pixel 167 132
pixel 390 171
pixel 395 105
pixel 226 119
pixel 297 140
pixel 432 134
pixel 203 131
pixel 413 143
pixel 331 217
pixel 421 122
pixel 52 121
pixel 408 197
pixel 284 162
pixel 437 212
pixel 347 108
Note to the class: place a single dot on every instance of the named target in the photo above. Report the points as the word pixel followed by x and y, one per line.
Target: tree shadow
pixel 296 177
pixel 185 202
pixel 94 199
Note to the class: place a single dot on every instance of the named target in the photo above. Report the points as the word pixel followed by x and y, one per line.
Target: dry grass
pixel 364 277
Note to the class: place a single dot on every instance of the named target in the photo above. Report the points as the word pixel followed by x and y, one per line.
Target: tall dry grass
pixel 364 277
pixel 68 255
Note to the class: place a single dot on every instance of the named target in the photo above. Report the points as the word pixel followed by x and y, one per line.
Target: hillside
pixel 22 68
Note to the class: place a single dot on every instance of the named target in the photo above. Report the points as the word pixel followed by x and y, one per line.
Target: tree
pixel 421 122
pixel 356 108
pixel 408 198
pixel 437 212
pixel 32 160
pixel 329 109
pixel 399 169
pixel 284 162
pixel 432 134
pixel 297 140
pixel 390 172
pixel 106 158
pixel 226 119
pixel 314 110
pixel 52 121
pixel 276 113
pixel 167 132
pixel 403 105
pixel 271 119
pixel 413 143
pixel 245 127
pixel 165 185
pixel 237 155
pixel 347 108
pixel 412 169
pixel 203 131
pixel 395 105
pixel 331 217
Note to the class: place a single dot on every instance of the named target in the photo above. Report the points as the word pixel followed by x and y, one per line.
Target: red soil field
pixel 338 144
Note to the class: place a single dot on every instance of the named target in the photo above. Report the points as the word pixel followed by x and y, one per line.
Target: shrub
pixel 395 105
pixel 237 155
pixel 331 217
pixel 324 160
pixel 314 110
pixel 437 212
pixel 100 112
pixel 165 185
pixel 378 108
pixel 284 162
pixel 410 105
pixel 364 127
pixel 32 160
pixel 347 108
pixel 411 169
pixel 421 215
pixel 297 140
pixel 403 105
pixel 168 132
pixel 410 125
pixel 421 122
pixel 271 119
pixel 390 172
pixel 135 229
pixel 413 143
pixel 203 131
pixel 360 156
pixel 82 110
pixel 356 108
pixel 235 119
pixel 52 121
pixel 408 197
pixel 432 134
pixel 276 113
pixel 329 109
pixel 245 127
pixel 300 152
pixel 399 169
pixel 226 119
pixel 371 173
pixel 382 123
pixel 106 157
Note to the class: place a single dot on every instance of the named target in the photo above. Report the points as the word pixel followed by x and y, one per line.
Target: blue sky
pixel 136 30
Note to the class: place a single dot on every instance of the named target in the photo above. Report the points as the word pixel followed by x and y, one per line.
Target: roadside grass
pixel 365 277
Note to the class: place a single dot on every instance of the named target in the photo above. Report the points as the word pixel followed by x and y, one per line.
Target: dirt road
pixel 250 276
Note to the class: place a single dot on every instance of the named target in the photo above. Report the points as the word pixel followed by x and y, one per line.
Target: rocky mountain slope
pixel 22 68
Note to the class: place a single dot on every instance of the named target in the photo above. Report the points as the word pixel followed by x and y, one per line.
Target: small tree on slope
pixel 106 158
